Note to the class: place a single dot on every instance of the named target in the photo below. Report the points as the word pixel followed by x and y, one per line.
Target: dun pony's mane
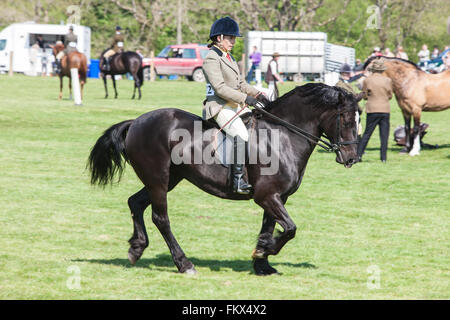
pixel 321 95
pixel 366 64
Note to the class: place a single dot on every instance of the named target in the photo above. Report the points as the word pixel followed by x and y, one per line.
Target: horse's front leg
pixel 114 85
pixel 415 150
pixel 274 212
pixel 60 87
pixel 260 260
pixel 106 87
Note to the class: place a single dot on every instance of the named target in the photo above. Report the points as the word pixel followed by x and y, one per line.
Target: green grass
pixel 393 216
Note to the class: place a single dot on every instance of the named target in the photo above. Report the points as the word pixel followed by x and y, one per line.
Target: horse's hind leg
pixel 408 144
pixel 161 219
pixel 134 91
pixel 139 241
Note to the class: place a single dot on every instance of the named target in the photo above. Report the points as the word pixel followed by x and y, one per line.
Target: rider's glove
pixel 261 97
pixel 251 101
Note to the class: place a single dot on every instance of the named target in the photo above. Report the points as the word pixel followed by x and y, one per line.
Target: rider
pixel 70 45
pixel 116 47
pixel 227 94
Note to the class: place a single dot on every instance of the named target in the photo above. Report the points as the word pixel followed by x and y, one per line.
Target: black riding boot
pixel 58 66
pixel 240 186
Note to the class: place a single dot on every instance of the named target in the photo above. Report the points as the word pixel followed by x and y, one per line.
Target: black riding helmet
pixel 225 26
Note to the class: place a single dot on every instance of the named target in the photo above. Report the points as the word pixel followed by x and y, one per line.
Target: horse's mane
pixel 368 61
pixel 320 94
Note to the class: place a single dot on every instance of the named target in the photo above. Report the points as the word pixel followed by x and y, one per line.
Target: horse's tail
pixel 83 69
pixel 140 75
pixel 108 155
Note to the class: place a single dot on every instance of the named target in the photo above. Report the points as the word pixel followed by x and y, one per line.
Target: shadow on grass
pixel 396 148
pixel 165 263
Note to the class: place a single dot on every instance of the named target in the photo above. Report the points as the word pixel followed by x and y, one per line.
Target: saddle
pixel 223 143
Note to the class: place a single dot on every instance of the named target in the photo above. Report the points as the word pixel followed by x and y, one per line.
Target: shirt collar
pixel 220 49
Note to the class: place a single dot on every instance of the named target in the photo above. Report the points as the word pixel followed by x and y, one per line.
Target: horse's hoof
pixel 262 268
pixel 190 271
pixel 132 258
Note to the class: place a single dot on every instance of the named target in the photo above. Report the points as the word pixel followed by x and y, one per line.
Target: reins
pixel 327 146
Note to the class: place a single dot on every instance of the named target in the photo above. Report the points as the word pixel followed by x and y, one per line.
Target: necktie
pixel 228 57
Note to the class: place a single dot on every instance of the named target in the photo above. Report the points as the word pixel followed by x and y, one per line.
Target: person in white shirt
pixel 272 77
pixel 424 54
pixel 401 53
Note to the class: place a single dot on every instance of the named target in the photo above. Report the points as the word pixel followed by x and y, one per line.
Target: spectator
pixel 435 52
pixel 255 56
pixel 40 41
pixel 401 53
pixel 424 54
pixel 44 61
pixel 377 52
pixel 377 90
pixel 388 53
pixel 446 60
pixel 358 66
pixel 344 83
pixel 272 77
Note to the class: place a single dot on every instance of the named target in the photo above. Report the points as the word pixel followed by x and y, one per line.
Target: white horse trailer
pixel 19 38
pixel 302 54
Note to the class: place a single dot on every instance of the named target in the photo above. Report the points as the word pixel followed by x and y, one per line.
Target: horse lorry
pixel 303 55
pixel 17 40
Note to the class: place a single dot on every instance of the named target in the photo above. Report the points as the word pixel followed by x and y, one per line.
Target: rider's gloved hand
pixel 251 101
pixel 261 97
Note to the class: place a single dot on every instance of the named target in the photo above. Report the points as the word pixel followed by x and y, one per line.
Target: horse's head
pixel 59 46
pixel 340 125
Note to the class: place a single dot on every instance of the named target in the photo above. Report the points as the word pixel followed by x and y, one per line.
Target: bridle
pixel 328 146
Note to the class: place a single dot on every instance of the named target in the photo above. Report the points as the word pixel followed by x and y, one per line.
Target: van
pixel 19 37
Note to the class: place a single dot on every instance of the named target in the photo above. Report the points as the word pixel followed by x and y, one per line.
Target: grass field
pixel 374 221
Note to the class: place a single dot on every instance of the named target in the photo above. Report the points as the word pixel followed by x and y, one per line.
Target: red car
pixel 184 60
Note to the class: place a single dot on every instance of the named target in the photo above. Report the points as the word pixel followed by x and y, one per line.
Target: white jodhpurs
pixel 235 127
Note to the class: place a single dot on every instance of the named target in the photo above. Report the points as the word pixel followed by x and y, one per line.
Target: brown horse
pixel 416 91
pixel 72 60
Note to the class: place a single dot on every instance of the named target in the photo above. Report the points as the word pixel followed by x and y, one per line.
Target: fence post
pixel 11 60
pixel 75 86
pixel 152 66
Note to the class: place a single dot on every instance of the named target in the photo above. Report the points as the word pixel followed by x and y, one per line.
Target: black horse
pixel 299 117
pixel 122 63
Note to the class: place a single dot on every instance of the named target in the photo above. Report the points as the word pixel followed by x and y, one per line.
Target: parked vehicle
pixel 184 60
pixel 434 65
pixel 304 55
pixel 19 37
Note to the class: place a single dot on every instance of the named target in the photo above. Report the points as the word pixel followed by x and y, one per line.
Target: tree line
pixel 150 25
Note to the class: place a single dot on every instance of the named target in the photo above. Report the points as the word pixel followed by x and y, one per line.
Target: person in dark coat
pixel 116 47
pixel 377 90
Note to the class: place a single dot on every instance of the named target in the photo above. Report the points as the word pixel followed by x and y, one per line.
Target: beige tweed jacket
pixel 224 84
